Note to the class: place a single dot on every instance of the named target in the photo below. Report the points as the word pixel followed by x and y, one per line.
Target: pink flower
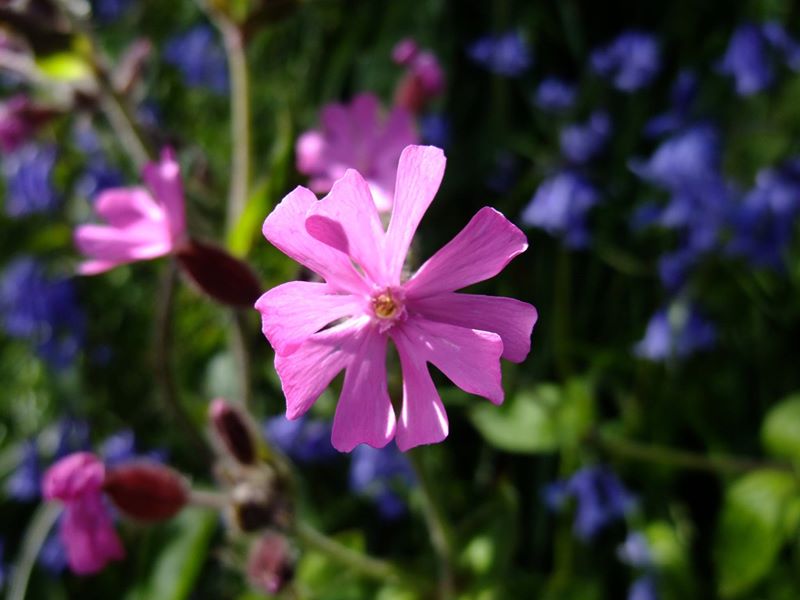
pixel 318 329
pixel 423 80
pixel 87 530
pixel 142 223
pixel 356 137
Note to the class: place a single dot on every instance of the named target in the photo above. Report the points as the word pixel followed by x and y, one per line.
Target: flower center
pixel 387 306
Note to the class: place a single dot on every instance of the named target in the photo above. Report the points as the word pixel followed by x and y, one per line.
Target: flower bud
pixel 259 505
pixel 233 431
pixel 221 276
pixel 146 491
pixel 271 563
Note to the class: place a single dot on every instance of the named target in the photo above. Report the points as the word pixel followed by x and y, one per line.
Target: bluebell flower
pixel 748 60
pixel 304 440
pixel 199 57
pixel 631 61
pixel 121 447
pixel 693 155
pixel 107 11
pixel 643 588
pixel 555 95
pixel 42 310
pixel 776 34
pixel 675 332
pixel 378 473
pixel 29 187
pixel 635 551
pixel 506 54
pixel 682 97
pixel 98 174
pixel 53 556
pixel 434 129
pixel 24 484
pixel 600 498
pixel 763 224
pixel 560 206
pixel 581 142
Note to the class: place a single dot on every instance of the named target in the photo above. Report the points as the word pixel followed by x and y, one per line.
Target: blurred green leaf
pixel 543 419
pixel 64 66
pixel 752 529
pixel 780 431
pixel 178 565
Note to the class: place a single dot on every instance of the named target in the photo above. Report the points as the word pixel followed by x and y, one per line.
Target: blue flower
pixel 555 95
pixel 73 436
pixel 29 188
pixel 635 551
pixel 631 61
pixel 504 173
pixel 780 40
pixel 53 556
pixel 675 332
pixel 25 482
pixel 506 54
pixel 434 128
pixel 644 588
pixel 41 310
pixel 560 206
pixel 600 498
pixel 748 60
pixel 682 97
pixel 108 11
pixel 581 142
pixel 199 57
pixel 120 448
pixel 304 440
pixel 379 473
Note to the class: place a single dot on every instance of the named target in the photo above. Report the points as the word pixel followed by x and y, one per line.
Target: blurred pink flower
pixel 318 329
pixel 142 223
pixel 424 78
pixel 356 136
pixel 86 530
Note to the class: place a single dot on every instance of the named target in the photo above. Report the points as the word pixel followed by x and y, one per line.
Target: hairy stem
pixel 437 528
pixel 673 457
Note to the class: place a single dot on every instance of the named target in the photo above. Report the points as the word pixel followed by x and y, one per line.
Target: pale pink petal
pixel 122 207
pixel 73 476
pixel 364 112
pixel 346 219
pixel 95 267
pixel 147 240
pixel 419 174
pixel 335 120
pixel 310 152
pixel 470 358
pixel 292 312
pixel 423 419
pixel 285 228
pixel 88 535
pixel 364 414
pixel 382 195
pixel 164 180
pixel 306 372
pixel 511 319
pixel 480 251
pixel 398 132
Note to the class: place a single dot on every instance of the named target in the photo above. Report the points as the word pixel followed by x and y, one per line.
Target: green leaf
pixel 752 529
pixel 543 419
pixel 174 571
pixel 64 66
pixel 780 432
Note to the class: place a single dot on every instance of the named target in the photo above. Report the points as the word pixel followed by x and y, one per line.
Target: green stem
pixel 42 522
pixel 240 117
pixel 628 449
pixel 366 565
pixel 437 528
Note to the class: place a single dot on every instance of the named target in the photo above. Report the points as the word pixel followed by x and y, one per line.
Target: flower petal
pixel 480 251
pixel 122 207
pixel 346 219
pixel 423 419
pixel 419 174
pixel 164 179
pixel 73 476
pixel 470 358
pixel 364 414
pixel 285 228
pixel 292 312
pixel 306 372
pixel 140 242
pixel 511 319
pixel 87 532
